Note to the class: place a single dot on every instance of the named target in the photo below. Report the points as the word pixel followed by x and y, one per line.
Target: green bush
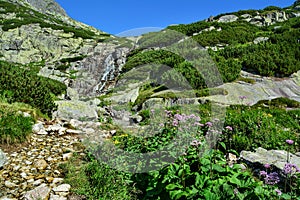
pixel 27 87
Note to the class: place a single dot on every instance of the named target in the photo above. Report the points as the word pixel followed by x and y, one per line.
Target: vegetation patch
pixel 22 85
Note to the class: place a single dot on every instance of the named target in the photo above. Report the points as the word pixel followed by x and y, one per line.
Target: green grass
pixel 14 127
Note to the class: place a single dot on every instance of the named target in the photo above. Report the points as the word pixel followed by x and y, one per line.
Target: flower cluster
pixel 290 168
pixel 271 178
pixel 183 118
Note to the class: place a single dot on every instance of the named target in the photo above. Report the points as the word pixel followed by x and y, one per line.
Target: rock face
pixel 263 89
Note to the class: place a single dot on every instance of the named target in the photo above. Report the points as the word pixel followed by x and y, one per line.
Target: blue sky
pixel 121 15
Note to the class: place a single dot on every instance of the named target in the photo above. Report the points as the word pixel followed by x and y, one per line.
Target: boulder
pixel 228 18
pixel 79 110
pixel 3 159
pixel 41 192
pixel 260 39
pixel 277 158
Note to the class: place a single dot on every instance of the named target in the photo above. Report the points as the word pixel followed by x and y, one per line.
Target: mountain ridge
pixel 44 6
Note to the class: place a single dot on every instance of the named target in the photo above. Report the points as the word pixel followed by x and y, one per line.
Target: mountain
pixel 46 6
pixel 81 87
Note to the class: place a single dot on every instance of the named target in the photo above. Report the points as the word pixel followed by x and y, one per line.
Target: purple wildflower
pixel 178 117
pixel 290 142
pixel 278 192
pixel 175 122
pixel 267 165
pixel 229 128
pixel 209 124
pixel 263 173
pixel 272 178
pixel 290 168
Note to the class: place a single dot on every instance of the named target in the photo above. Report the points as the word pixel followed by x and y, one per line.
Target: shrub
pixel 27 87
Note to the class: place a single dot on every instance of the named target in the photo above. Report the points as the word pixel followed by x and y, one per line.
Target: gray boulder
pixel 260 39
pixel 41 192
pixel 228 18
pixel 79 110
pixel 3 158
pixel 277 158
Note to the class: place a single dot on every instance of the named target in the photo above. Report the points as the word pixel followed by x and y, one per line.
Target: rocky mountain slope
pixel 38 36
pixel 46 6
pixel 80 56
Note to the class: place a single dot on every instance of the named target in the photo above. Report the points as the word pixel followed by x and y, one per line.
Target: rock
pixel 126 97
pixel 75 110
pixel 37 182
pixel 67 156
pixel 136 119
pixel 49 179
pixel 41 164
pixel 113 132
pixel 3 159
pixel 36 128
pixel 228 18
pixel 57 180
pixel 54 128
pixel 42 132
pixel 72 131
pixel 277 158
pixel 75 123
pixel 62 188
pixel 260 39
pixel 6 198
pixel 153 103
pixel 10 184
pixel 89 131
pixel 72 94
pixel 41 192
pixel 246 16
pixel 57 197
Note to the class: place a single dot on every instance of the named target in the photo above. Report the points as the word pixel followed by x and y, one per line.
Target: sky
pixel 119 16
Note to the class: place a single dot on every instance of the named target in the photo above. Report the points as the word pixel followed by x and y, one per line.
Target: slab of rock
pixel 228 18
pixel 3 158
pixel 79 110
pixel 126 97
pixel 62 188
pixel 277 158
pixel 42 192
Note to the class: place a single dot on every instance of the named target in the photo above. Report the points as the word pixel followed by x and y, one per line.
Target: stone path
pixel 32 171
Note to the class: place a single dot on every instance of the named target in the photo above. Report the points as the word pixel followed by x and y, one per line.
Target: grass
pixel 14 127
